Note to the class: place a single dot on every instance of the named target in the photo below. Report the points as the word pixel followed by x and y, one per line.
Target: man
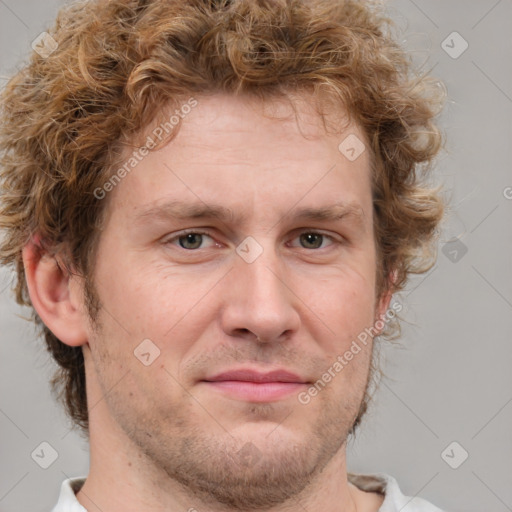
pixel 209 205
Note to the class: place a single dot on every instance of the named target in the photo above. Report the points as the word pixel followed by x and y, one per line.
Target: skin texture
pixel 160 436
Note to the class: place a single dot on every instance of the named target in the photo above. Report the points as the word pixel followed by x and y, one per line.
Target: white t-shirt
pixel 394 500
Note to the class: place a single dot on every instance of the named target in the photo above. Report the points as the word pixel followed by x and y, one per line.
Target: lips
pixel 253 386
pixel 257 377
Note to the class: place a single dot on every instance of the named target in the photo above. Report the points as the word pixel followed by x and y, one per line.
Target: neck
pixel 122 479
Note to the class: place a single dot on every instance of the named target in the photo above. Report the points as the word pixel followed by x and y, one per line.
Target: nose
pixel 259 303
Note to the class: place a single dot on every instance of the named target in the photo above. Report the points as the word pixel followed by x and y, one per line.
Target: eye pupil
pixel 191 241
pixel 191 237
pixel 314 238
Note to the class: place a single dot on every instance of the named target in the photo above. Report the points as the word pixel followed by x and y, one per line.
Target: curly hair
pixel 64 116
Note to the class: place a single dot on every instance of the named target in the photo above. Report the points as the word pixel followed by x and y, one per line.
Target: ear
pixel 55 294
pixel 385 299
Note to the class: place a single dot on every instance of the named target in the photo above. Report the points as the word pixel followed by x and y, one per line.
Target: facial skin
pixel 161 437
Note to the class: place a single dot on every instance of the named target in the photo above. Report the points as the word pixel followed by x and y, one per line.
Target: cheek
pixel 144 300
pixel 347 308
pixel 151 302
pixel 343 304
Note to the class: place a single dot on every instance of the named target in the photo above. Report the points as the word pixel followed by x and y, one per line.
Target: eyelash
pixel 201 232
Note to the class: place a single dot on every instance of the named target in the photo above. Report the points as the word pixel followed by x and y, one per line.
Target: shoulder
pixel 394 499
pixel 67 499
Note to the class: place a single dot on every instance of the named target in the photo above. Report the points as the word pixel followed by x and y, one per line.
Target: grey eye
pixel 191 240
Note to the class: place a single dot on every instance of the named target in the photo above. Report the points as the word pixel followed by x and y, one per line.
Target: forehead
pixel 295 118
pixel 241 151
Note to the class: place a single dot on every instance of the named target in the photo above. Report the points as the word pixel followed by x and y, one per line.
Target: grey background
pixel 450 382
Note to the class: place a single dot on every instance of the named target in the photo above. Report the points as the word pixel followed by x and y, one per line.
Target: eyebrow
pixel 186 211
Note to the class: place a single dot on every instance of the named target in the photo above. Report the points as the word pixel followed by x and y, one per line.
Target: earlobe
pixel 51 292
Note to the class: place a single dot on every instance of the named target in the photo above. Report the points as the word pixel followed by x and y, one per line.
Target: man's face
pixel 291 298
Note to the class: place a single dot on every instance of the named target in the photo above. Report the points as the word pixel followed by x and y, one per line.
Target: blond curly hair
pixel 64 117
